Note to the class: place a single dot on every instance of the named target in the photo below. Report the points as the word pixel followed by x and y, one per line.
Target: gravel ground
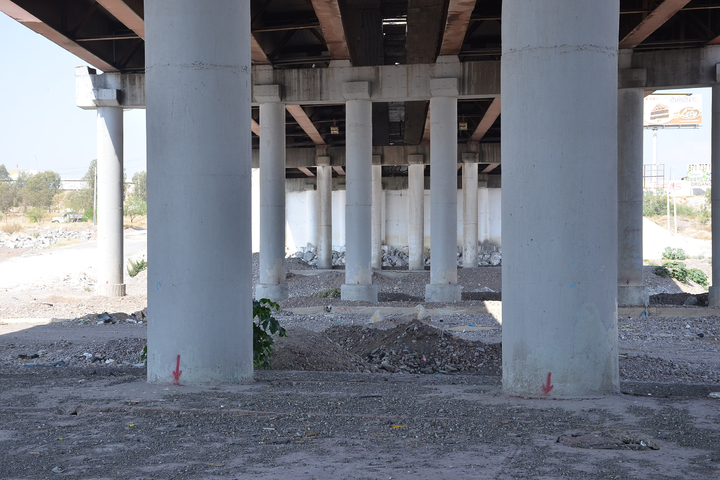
pixel 407 394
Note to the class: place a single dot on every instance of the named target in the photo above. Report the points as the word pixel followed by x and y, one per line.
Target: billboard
pixel 699 174
pixel 666 110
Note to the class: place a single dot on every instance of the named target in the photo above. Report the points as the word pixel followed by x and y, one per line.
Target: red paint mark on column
pixel 545 388
pixel 176 374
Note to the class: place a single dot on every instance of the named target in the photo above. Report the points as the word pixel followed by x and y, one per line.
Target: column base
pixel 273 292
pixel 714 297
pixel 359 293
pixel 108 290
pixel 633 295
pixel 442 293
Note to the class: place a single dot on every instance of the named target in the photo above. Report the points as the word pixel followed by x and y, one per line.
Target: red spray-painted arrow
pixel 176 374
pixel 545 388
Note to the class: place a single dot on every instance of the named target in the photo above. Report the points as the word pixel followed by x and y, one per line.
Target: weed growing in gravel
pixel 674 254
pixel 136 267
pixel 332 292
pixel 263 330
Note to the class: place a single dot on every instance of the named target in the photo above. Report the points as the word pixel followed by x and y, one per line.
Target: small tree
pixel 4 175
pixel 134 207
pixel 140 184
pixel 8 195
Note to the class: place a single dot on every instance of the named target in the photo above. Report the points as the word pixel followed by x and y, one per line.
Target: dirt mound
pixel 306 350
pixel 416 347
pixel 678 299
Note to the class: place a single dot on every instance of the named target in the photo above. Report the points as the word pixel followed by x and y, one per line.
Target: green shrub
pixel 136 267
pixel 673 264
pixel 654 204
pixel 698 276
pixel 35 214
pixel 264 327
pixel 87 215
pixel 674 254
pixel 683 274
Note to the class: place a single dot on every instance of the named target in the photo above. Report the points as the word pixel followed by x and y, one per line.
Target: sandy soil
pixel 415 394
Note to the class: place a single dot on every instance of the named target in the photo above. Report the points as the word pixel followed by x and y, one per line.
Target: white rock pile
pixel 399 256
pixel 38 238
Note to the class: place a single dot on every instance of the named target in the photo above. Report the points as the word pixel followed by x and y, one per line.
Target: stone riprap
pixel 39 238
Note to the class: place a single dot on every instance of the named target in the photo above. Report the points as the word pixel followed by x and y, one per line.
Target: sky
pixel 42 129
pixel 40 126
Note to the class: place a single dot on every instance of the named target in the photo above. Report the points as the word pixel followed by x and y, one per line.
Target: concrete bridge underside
pixel 353 87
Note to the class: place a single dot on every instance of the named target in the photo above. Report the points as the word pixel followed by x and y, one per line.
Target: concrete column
pixel 470 211
pixel 484 213
pixel 376 215
pixel 559 213
pixel 714 290
pixel 324 224
pixel 272 197
pixel 358 194
pixel 443 192
pixel 199 160
pixel 109 186
pixel 416 210
pixel 631 290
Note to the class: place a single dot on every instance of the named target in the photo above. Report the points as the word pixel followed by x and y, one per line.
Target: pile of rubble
pixel 38 238
pixel 416 347
pixel 399 256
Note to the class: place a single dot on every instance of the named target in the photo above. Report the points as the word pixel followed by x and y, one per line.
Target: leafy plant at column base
pixel 264 327
pixel 136 267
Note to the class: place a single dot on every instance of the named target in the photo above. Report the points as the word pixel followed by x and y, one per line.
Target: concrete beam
pixel 257 54
pixel 458 18
pixel 490 167
pixel 328 13
pixel 678 68
pixel 306 171
pixel 92 89
pixel 255 127
pixel 389 155
pixel 18 13
pixel 492 113
pixel 424 30
pixel 305 123
pixel 125 14
pixel 652 22
pixel 390 83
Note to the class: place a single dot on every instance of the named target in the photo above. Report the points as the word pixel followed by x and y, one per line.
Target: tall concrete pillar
pixel 631 290
pixel 376 215
pixel 443 192
pixel 358 194
pixel 484 213
pixel 416 211
pixel 714 290
pixel 324 224
pixel 272 195
pixel 199 160
pixel 559 213
pixel 470 210
pixel 109 186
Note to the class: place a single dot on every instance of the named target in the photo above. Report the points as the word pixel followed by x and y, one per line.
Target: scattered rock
pixel 377 317
pixel 691 301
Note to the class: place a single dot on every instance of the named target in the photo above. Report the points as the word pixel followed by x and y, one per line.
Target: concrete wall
pixel 301 206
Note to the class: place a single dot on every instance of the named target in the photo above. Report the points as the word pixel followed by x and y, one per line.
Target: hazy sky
pixel 42 129
pixel 40 126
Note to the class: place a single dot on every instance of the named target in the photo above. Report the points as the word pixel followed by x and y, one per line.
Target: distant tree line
pixel 37 194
